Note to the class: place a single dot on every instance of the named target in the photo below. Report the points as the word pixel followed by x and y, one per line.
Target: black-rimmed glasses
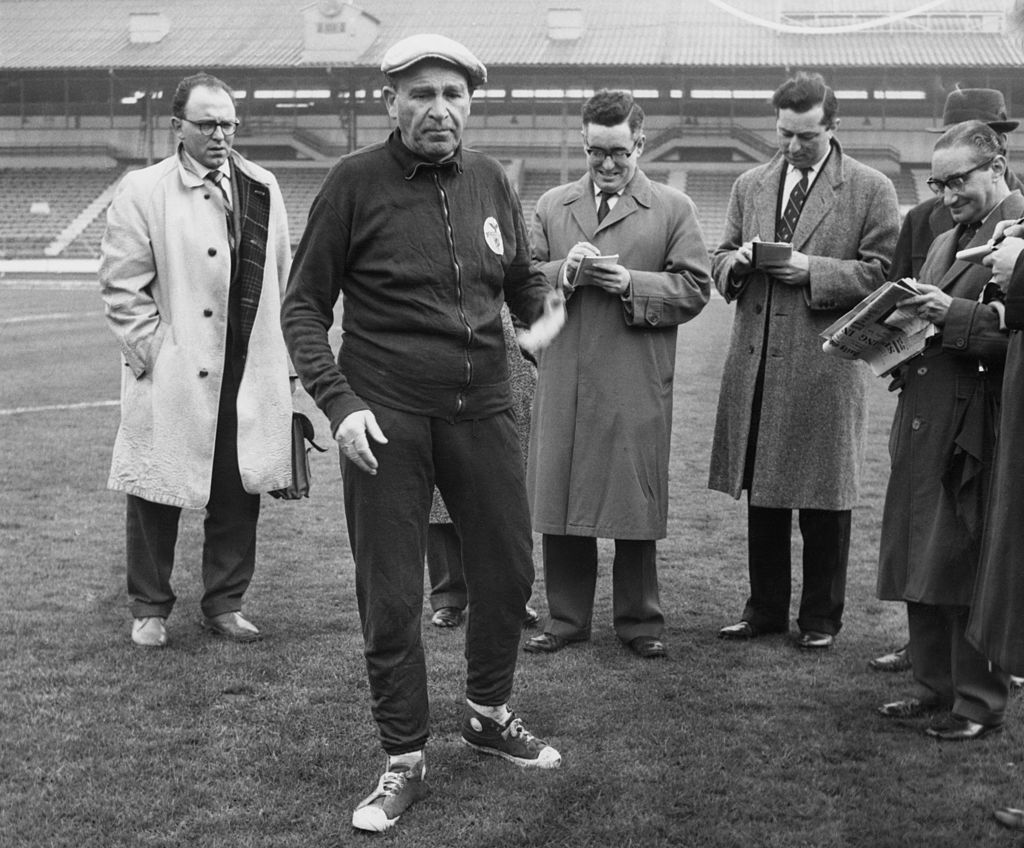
pixel 619 155
pixel 955 182
pixel 210 127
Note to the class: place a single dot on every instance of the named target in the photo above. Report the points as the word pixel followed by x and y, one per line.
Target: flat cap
pixel 407 52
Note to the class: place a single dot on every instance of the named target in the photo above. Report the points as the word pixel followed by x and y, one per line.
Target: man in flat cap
pixel 423 240
pixel 929 219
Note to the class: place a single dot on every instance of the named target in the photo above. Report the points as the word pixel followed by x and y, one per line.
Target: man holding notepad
pixel 790 425
pixel 631 259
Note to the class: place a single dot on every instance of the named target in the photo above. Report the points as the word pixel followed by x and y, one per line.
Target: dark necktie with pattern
pixel 786 225
pixel 215 177
pixel 967 233
pixel 603 207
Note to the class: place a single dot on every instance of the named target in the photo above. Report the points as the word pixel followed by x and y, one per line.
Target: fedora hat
pixel 976 104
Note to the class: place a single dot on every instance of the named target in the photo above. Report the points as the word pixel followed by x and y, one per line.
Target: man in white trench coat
pixel 602 421
pixel 194 260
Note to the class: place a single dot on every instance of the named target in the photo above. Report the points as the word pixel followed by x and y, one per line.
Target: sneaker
pixel 399 788
pixel 510 741
pixel 149 632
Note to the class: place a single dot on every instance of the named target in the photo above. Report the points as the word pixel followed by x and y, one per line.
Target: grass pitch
pixel 215 744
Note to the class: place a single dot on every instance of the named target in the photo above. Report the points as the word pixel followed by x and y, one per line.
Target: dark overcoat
pixel 996 625
pixel 602 416
pixel 813 414
pixel 942 436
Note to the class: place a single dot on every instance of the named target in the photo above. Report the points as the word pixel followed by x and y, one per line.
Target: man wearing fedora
pixel 423 240
pixel 929 219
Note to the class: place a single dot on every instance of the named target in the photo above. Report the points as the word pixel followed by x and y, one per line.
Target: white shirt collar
pixel 194 166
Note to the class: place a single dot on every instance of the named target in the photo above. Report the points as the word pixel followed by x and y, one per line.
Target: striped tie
pixel 786 225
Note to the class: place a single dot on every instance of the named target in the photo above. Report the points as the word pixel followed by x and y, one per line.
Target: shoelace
pixel 516 730
pixel 393 782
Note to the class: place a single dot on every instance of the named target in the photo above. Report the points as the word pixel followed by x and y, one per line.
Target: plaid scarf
pixel 253 218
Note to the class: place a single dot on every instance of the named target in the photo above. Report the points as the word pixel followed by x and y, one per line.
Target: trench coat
pixel 165 276
pixel 810 442
pixel 942 436
pixel 602 417
pixel 996 624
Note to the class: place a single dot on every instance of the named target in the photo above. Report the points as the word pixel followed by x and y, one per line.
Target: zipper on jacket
pixel 450 231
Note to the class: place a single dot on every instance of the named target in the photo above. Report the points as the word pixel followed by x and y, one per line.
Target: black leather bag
pixel 302 432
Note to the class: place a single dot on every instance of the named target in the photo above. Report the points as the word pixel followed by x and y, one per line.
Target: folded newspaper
pixel 878 332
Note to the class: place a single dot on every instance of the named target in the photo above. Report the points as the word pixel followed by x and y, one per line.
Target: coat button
pixel 204 373
pixel 758 309
pixel 653 319
pixel 212 251
pixel 916 425
pixel 922 370
pixel 207 313
pixel 961 343
pixel 750 349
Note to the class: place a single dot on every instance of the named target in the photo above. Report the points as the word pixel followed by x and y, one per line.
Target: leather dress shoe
pixel 447 617
pixel 909 708
pixel 894 661
pixel 740 630
pixel 648 647
pixel 233 626
pixel 814 640
pixel 958 729
pixel 531 617
pixel 545 643
pixel 1010 817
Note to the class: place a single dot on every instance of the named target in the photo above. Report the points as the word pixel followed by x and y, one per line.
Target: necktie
pixel 967 233
pixel 787 223
pixel 603 207
pixel 215 177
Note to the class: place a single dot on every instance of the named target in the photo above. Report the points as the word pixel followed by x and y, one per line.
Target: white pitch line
pixel 20 410
pixel 54 316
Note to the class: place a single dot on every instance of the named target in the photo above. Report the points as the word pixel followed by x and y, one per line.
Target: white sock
pixel 499 714
pixel 408 759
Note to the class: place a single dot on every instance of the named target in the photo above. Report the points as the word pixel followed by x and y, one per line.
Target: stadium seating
pixel 37 204
pixel 59 195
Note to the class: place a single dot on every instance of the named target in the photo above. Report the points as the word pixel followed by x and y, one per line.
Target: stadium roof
pixel 94 34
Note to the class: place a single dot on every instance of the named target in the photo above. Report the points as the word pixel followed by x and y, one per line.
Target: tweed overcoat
pixel 996 625
pixel 602 417
pixel 165 277
pixel 813 415
pixel 942 436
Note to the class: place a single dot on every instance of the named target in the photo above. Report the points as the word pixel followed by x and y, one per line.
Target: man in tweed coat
pixel 791 419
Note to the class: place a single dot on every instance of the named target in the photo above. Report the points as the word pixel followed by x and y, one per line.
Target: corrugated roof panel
pixel 52 34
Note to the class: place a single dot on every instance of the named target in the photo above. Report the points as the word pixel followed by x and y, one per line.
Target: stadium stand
pixel 84 89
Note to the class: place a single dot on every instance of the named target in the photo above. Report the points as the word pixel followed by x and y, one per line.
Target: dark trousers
pixel 826 538
pixel 444 566
pixel 949 669
pixel 478 469
pixel 570 577
pixel 229 532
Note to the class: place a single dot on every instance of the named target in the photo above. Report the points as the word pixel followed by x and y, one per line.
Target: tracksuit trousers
pixel 478 468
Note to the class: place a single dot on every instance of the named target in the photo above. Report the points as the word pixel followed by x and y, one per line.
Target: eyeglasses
pixel 619 155
pixel 210 127
pixel 955 182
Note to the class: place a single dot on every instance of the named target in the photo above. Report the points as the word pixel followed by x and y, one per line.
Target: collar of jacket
pixel 833 168
pixel 639 188
pixel 238 163
pixel 411 164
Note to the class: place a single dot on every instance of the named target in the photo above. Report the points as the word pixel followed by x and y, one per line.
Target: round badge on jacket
pixel 492 235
